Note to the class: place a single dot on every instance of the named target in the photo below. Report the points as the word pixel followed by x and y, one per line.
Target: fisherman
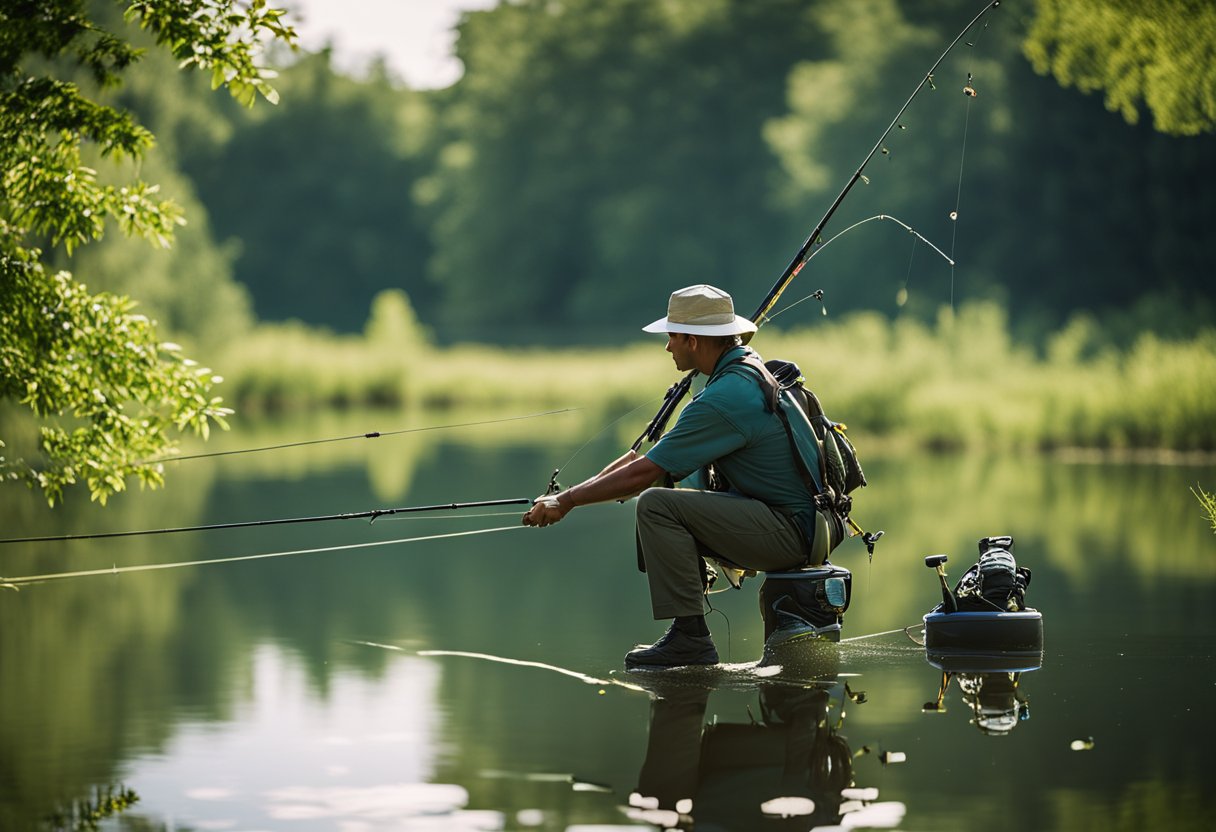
pixel 756 518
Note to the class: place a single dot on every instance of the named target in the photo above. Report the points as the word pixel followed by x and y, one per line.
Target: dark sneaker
pixel 675 649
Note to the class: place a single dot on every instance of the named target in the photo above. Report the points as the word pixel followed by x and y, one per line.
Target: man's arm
pixel 623 459
pixel 621 479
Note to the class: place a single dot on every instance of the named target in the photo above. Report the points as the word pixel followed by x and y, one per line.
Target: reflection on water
pixel 247 696
pixel 789 766
pixel 361 756
pixel 991 688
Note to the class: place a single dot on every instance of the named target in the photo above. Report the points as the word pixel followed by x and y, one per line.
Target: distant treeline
pixel 597 154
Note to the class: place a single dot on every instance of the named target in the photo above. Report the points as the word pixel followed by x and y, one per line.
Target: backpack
pixel 825 458
pixel 995 581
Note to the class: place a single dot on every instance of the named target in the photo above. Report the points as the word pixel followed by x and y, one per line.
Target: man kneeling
pixel 760 515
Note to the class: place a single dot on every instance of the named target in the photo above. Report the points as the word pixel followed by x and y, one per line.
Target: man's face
pixel 681 350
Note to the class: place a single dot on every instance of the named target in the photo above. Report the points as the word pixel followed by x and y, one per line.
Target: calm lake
pixel 476 682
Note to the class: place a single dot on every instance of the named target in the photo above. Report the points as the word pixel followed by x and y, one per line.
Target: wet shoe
pixel 675 649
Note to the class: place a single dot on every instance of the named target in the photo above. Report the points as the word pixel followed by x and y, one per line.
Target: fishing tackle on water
pixel 985 615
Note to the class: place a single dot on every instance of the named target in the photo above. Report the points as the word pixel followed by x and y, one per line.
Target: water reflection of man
pixel 727 424
pixel 786 771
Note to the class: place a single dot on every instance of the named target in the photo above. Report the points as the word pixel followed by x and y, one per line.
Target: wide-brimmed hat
pixel 702 310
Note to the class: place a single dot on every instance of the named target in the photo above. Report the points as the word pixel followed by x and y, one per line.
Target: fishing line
pixel 582 677
pixel 958 196
pixel 713 609
pixel 600 433
pixel 819 295
pixel 901 297
pixel 903 630
pixel 370 435
pixel 969 91
pixel 148 567
pixel 372 515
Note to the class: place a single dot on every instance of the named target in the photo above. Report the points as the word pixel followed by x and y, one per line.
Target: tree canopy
pixel 108 392
pixel 1155 55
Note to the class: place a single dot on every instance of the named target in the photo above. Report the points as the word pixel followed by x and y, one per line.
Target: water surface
pixel 324 691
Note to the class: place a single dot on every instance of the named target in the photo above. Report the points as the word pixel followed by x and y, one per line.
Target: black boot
pixel 675 649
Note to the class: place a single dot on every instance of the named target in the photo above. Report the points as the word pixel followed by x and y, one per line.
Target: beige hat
pixel 702 310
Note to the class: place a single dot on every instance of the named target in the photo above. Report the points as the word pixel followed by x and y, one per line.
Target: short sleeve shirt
pixel 728 424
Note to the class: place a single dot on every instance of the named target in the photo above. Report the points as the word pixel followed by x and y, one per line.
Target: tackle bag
pixel 995 581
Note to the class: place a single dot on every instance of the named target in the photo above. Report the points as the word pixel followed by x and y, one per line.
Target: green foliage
pixel 217 35
pixel 87 364
pixel 1040 178
pixel 188 288
pixel 97 371
pixel 86 814
pixel 289 367
pixel 592 146
pixel 593 150
pixel 317 191
pixel 1208 501
pixel 963 382
pixel 1140 54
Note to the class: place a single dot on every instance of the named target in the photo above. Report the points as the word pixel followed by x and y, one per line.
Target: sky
pixel 415 36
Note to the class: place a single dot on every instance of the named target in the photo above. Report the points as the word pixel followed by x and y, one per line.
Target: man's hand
pixel 545 511
pixel 629 475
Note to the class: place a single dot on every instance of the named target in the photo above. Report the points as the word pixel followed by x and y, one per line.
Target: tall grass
pixel 960 382
pixel 1208 501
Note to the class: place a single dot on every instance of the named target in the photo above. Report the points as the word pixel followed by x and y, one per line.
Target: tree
pixel 1061 207
pixel 108 395
pixel 599 154
pixel 333 222
pixel 1155 54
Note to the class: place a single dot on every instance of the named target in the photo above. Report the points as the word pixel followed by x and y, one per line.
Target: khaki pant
pixel 671 522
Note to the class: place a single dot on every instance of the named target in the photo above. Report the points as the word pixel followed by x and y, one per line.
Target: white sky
pixel 415 36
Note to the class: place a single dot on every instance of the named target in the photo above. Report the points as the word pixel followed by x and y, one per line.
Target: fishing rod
pixel 677 391
pixel 373 515
pixel 818 294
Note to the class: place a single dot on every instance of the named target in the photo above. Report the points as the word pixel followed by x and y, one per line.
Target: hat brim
pixel 739 326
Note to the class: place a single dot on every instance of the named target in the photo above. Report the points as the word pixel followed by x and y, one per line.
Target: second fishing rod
pixel 675 394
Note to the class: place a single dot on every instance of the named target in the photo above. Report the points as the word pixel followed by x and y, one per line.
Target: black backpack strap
pixel 772 387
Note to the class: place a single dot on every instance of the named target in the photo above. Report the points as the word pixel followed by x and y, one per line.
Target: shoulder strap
pixel 772 390
pixel 768 383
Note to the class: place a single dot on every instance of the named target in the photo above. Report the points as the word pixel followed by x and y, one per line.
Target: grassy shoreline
pixel 961 383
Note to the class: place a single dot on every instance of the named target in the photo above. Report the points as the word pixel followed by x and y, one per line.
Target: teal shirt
pixel 727 424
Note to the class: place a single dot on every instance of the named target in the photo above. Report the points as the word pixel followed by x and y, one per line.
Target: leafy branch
pixel 108 395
